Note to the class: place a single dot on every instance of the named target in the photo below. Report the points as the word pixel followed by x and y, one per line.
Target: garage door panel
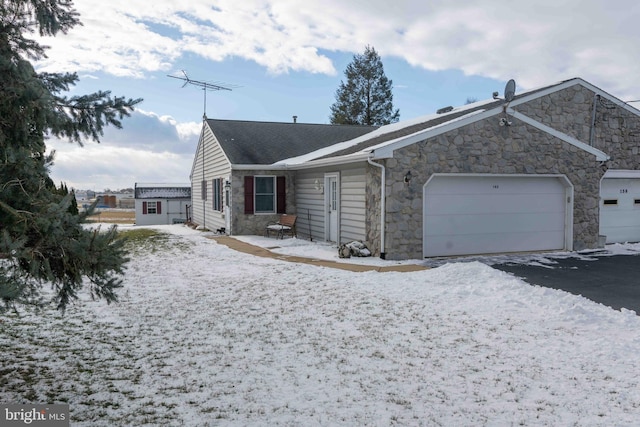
pixel 499 223
pixel 517 242
pixel 484 184
pixel 620 222
pixel 446 204
pixel 493 214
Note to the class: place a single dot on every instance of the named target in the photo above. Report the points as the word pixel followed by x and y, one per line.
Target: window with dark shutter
pixel 265 194
pixel 144 208
pixel 152 208
pixel 159 207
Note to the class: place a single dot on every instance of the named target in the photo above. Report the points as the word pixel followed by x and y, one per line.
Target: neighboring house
pixel 158 204
pixel 557 168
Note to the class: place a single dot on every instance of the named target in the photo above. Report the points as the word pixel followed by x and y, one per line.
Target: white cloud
pixel 535 42
pixel 98 166
pixel 149 148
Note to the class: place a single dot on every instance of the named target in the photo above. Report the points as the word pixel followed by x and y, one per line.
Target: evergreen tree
pixel 366 98
pixel 41 242
pixel 62 192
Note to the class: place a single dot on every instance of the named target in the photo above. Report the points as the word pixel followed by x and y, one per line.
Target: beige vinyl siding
pixel 214 165
pixel 309 205
pixel 311 209
pixel 352 205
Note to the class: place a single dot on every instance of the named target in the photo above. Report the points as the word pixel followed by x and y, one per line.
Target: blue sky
pixel 286 58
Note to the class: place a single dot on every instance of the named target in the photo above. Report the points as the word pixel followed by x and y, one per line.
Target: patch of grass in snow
pixel 147 240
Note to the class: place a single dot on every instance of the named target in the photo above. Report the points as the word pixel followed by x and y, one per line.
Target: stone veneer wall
pixel 372 222
pixel 244 224
pixel 616 130
pixel 485 147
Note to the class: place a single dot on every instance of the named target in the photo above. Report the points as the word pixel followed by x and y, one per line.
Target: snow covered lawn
pixel 204 336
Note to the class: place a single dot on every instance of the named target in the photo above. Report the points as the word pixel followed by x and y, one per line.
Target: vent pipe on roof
pixel 295 119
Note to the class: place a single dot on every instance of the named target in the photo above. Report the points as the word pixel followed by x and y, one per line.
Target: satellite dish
pixel 510 90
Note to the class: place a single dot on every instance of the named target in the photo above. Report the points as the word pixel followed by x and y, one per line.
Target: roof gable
pixel 386 139
pixel 265 143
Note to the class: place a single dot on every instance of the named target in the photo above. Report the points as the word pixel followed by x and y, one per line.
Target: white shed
pixel 158 204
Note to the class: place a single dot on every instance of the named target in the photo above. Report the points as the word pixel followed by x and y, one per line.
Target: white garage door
pixel 480 214
pixel 620 208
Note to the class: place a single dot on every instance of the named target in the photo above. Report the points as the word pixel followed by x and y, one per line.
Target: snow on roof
pixel 387 129
pixel 161 185
pixel 350 147
pixel 163 191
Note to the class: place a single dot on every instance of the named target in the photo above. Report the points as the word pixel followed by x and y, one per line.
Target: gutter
pixel 383 205
pixel 311 164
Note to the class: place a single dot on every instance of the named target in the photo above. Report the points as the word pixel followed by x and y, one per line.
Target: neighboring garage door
pixel 481 214
pixel 620 206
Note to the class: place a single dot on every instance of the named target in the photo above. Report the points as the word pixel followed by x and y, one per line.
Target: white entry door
pixel 482 214
pixel 620 206
pixel 332 201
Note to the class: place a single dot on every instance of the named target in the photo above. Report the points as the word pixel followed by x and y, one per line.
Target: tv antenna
pixel 206 86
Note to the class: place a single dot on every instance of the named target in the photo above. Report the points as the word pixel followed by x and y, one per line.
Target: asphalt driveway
pixel 612 280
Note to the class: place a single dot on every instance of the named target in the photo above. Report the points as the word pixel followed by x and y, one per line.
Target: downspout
pixel 383 205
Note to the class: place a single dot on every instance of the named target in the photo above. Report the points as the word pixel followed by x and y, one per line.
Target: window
pixel 217 194
pixel 151 208
pixel 203 189
pixel 264 194
pixel 610 201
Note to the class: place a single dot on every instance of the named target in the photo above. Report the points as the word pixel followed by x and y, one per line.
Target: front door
pixel 332 196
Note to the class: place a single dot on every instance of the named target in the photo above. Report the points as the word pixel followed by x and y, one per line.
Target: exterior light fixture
pixel 407 177
pixel 227 185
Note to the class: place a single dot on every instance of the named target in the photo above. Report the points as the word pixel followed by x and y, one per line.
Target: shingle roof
pixel 397 131
pixel 264 143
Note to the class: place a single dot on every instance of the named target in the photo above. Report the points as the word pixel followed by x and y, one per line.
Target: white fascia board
pixel 332 161
pixel 573 82
pixel 201 146
pixel 255 167
pixel 386 149
pixel 622 174
pixel 620 103
pixel 547 91
pixel 195 156
pixel 350 158
pixel 600 155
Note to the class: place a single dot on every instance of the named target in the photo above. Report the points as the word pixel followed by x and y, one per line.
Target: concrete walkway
pixel 241 246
